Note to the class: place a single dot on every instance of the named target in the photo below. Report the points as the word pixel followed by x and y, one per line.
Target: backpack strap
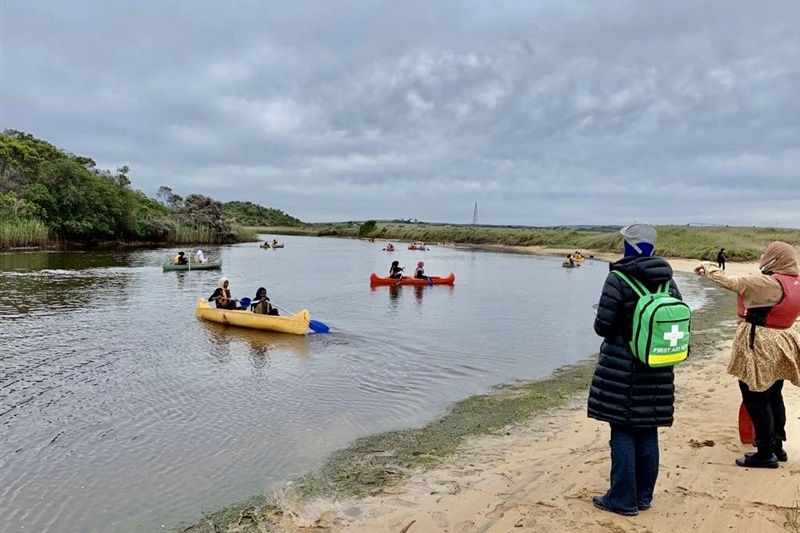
pixel 638 287
pixel 633 283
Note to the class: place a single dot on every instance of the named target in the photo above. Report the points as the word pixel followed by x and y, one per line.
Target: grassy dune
pixel 740 243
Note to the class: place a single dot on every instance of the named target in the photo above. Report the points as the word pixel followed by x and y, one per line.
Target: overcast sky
pixel 543 112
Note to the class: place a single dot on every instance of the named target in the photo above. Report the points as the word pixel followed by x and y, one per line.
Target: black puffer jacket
pixel 624 390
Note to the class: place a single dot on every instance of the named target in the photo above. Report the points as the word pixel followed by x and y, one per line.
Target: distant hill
pixel 254 215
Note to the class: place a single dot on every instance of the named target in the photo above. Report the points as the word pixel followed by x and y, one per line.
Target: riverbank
pixel 539 474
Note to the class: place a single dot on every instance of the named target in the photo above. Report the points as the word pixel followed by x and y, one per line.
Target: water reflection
pixel 395 291
pixel 260 344
pixel 49 292
pixel 419 291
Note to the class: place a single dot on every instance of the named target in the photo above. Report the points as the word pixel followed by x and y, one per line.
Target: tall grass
pixel 740 243
pixel 243 234
pixel 204 235
pixel 183 234
pixel 20 233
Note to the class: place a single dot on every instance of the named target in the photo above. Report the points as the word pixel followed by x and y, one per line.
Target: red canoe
pixel 375 279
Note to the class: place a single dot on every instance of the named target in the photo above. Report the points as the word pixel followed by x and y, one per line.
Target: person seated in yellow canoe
pixel 569 261
pixel 419 272
pixel 396 271
pixel 199 257
pixel 578 257
pixel 261 305
pixel 180 259
pixel 222 295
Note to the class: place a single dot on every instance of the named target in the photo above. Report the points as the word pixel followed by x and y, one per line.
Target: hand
pixel 700 269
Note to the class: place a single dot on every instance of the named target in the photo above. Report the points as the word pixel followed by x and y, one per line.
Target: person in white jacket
pixel 200 257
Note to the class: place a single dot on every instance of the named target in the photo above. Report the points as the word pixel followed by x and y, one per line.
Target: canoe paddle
pixel 315 325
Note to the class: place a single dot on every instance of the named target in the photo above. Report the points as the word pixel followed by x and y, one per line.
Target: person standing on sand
pixel 633 398
pixel 766 345
pixel 721 257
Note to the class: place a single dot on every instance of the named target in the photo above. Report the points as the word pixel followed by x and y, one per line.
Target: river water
pixel 121 411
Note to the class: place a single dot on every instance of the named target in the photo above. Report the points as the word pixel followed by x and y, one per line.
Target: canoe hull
pixel 295 324
pixel 375 279
pixel 216 265
pixel 567 265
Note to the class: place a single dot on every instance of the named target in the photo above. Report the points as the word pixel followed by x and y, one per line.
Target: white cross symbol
pixel 673 335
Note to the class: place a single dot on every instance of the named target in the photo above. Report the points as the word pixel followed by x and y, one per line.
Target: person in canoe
pixel 180 259
pixel 390 247
pixel 274 243
pixel 578 256
pixel 199 257
pixel 569 261
pixel 222 295
pixel 261 304
pixel 419 272
pixel 396 271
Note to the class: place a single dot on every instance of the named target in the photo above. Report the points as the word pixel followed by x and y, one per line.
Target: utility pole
pixel 475 215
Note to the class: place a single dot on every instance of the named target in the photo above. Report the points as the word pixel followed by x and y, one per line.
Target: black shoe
pixel 644 507
pixel 754 461
pixel 600 504
pixel 780 455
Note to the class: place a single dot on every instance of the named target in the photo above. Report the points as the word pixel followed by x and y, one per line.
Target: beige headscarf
pixel 762 290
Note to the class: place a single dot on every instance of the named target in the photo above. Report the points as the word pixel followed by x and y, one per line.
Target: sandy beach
pixel 542 475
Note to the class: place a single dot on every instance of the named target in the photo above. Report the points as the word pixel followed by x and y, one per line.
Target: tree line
pixel 50 196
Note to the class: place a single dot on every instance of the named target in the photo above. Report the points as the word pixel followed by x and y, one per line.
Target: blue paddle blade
pixel 244 302
pixel 318 327
pixel 430 282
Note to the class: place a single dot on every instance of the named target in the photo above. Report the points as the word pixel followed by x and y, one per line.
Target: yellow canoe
pixel 296 324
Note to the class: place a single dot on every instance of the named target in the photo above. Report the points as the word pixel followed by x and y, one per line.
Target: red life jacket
pixel 783 314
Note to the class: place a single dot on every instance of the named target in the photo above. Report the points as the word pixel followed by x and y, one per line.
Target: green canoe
pixel 211 265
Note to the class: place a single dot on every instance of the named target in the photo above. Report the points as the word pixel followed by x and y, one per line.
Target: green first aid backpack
pixel 660 325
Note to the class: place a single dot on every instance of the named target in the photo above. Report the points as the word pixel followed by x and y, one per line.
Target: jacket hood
pixel 779 258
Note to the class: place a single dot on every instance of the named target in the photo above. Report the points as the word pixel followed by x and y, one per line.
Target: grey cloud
pixel 673 112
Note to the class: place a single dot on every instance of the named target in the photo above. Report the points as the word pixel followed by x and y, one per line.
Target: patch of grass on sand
pixel 372 463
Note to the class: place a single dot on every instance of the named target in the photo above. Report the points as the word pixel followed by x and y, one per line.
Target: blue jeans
pixel 634 467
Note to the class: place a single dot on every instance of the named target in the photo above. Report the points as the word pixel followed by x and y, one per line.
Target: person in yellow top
pixel 569 261
pixel 261 304
pixel 577 257
pixel 180 259
pixel 222 295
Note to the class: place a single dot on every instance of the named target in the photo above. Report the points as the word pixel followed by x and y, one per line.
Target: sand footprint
pixel 466 527
pixel 440 519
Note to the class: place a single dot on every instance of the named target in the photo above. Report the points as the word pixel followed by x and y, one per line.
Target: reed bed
pixel 23 233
